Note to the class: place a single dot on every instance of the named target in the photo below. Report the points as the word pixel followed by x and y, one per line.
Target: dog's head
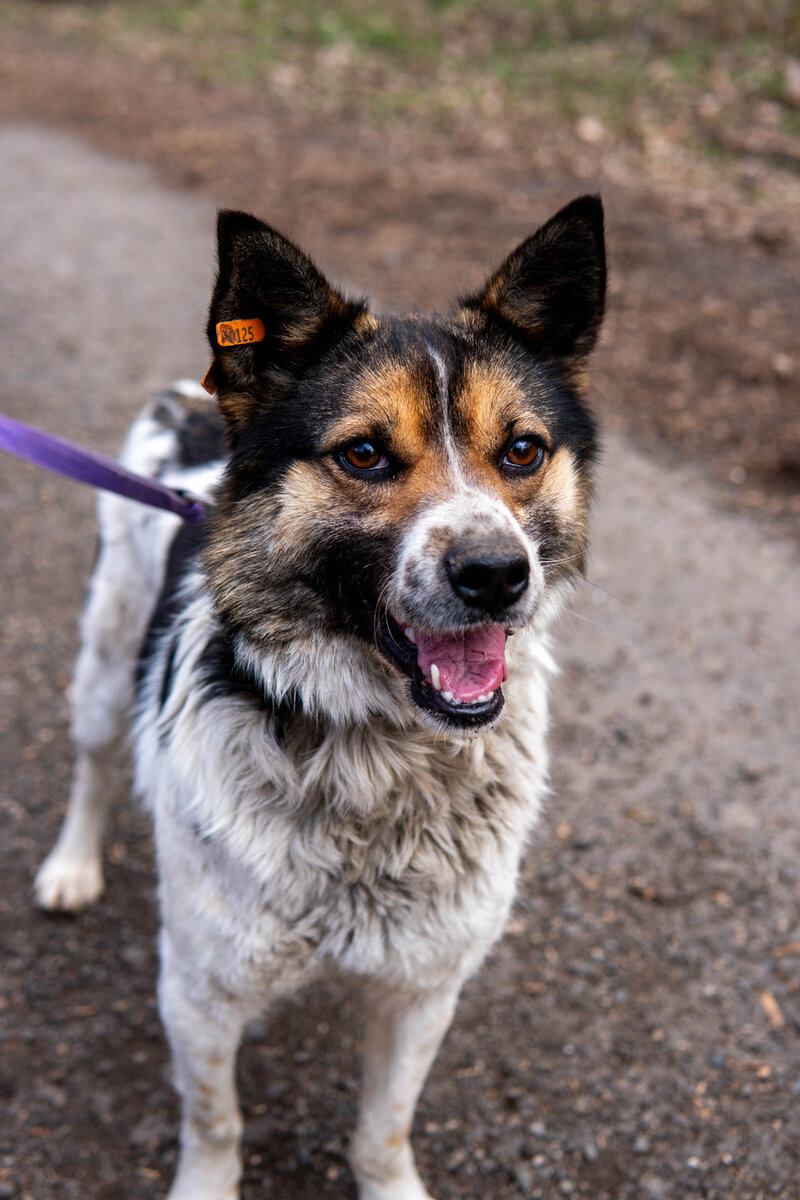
pixel 408 490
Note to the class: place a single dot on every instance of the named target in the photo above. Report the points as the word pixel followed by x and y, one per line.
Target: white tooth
pixel 435 677
pixel 481 699
pixel 447 696
pixel 410 634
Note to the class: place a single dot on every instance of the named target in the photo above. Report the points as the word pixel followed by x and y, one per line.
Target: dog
pixel 341 743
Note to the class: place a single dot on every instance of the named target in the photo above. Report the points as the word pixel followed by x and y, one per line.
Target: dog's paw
pixel 396 1189
pixel 178 1192
pixel 190 1189
pixel 207 1171
pixel 385 1177
pixel 67 884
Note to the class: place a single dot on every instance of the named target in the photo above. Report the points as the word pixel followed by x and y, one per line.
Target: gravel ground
pixel 635 1036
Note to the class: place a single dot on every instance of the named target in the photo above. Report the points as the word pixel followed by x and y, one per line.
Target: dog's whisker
pixel 554 562
pixel 606 592
pixel 381 607
pixel 579 616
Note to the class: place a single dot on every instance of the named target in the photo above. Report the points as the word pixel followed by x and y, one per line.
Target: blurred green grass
pixel 633 65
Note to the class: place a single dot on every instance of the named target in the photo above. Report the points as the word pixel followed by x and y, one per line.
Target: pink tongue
pixel 470 663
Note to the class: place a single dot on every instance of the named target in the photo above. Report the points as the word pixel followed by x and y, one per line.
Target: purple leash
pixel 45 450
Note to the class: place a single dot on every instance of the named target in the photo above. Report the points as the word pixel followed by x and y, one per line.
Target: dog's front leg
pixel 404 1032
pixel 204 1045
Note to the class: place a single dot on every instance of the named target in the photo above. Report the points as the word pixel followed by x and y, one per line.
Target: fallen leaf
pixel 772 1009
pixel 787 950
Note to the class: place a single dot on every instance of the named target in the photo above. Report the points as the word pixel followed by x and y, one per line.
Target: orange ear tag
pixel 240 333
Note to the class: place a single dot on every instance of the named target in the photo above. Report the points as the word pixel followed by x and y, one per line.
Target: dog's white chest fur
pixel 297 844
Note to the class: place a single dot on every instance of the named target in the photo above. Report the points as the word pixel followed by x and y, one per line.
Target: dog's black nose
pixel 490 580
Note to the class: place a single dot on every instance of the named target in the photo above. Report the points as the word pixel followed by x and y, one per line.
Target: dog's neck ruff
pixel 86 466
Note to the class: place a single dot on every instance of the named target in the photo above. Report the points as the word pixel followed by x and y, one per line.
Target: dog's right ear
pixel 270 295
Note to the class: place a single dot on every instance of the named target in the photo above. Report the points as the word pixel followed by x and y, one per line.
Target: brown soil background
pixel 703 315
pixel 636 1036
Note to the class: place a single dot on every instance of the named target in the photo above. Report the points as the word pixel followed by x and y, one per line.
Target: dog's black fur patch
pixel 183 552
pixel 220 676
pixel 201 438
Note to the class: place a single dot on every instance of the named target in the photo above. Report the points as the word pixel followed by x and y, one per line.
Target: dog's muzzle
pixel 457 596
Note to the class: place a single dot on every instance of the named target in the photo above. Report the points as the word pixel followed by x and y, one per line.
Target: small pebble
pixel 523 1177
pixel 590 130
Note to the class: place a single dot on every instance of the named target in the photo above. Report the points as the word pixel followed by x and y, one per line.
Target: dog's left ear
pixel 551 289
pixel 272 313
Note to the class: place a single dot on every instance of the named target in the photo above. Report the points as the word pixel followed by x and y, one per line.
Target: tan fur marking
pixel 365 323
pixel 577 375
pixel 562 487
pixel 303 329
pixel 519 309
pixel 396 398
pixel 237 407
pixel 490 399
pixel 306 498
pixel 428 480
pixel 392 395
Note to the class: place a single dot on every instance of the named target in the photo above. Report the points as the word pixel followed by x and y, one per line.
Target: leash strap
pixel 65 458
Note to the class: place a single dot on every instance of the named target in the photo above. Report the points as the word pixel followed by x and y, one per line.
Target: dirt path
pixel 635 1037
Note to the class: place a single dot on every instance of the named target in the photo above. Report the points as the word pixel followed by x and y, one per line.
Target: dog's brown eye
pixel 364 456
pixel 525 452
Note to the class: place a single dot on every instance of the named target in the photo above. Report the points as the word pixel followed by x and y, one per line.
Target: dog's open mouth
pixel 456 674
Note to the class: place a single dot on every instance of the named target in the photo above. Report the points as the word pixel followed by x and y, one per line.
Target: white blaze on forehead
pixel 468 507
pixel 441 373
pixel 443 386
pixel 469 504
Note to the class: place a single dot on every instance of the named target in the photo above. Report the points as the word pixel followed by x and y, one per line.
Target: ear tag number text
pixel 240 333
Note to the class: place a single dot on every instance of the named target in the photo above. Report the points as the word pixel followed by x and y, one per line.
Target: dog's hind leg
pixel 404 1032
pixel 121 599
